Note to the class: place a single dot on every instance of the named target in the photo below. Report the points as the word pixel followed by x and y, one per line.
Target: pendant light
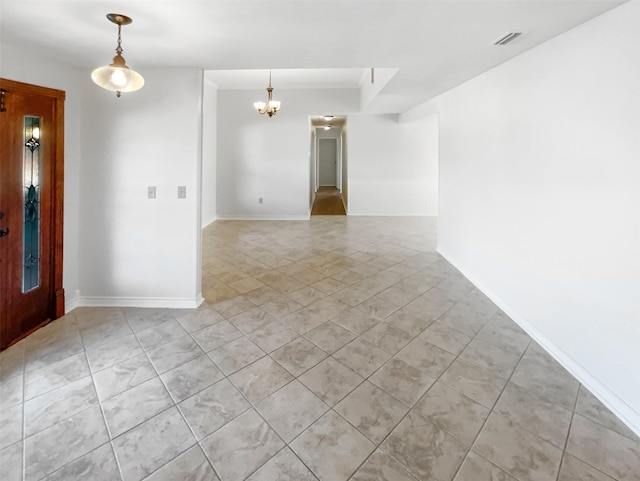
pixel 118 77
pixel 270 107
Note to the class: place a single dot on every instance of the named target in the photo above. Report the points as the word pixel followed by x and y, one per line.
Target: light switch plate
pixel 151 192
pixel 182 192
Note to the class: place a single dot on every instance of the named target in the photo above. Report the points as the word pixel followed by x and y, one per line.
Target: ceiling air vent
pixel 507 38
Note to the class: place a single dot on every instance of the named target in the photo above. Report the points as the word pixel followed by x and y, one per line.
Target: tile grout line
pixel 475 439
pixel 174 405
pixel 566 439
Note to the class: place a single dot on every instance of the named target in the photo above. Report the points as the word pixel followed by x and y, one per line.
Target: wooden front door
pixel 31 170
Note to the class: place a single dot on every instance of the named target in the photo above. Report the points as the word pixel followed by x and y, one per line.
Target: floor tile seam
pixel 492 411
pixel 24 420
pixel 568 435
pixel 437 378
pixel 410 409
pixel 377 444
pixel 164 409
pixel 407 472
pixel 329 408
pixel 42 357
pixel 109 442
pixel 287 445
pixel 128 387
pixel 196 443
pixel 199 441
pixel 634 439
pixel 24 383
pixel 534 394
pixel 115 363
pixel 24 443
pixel 168 392
pixel 587 462
pixel 257 411
pixel 393 356
pixel 491 371
pixel 415 475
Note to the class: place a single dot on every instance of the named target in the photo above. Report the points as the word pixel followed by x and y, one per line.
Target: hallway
pixel 328 202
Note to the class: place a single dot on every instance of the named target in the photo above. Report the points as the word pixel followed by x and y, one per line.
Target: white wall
pixel 540 197
pixel 269 158
pixel 345 167
pixel 312 165
pixel 37 68
pixel 133 250
pixel 209 147
pixel 393 167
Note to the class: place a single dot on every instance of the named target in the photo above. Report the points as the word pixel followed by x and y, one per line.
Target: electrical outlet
pixel 182 192
pixel 259 200
pixel 151 192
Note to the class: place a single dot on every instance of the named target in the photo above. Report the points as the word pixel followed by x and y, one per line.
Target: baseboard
pixel 617 406
pixel 395 214
pixel 71 303
pixel 209 222
pixel 263 217
pixel 152 302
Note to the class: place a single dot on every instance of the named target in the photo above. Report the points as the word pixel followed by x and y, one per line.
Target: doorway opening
pixel 328 165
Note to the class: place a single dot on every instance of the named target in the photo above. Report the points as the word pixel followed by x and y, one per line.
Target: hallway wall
pixel 539 197
pixel 393 167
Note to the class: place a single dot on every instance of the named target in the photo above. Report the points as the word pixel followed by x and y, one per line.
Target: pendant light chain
pixel 119 49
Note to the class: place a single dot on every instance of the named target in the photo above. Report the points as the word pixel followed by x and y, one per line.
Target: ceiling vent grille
pixel 507 38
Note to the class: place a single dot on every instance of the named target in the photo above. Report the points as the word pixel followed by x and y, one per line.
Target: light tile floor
pixel 334 349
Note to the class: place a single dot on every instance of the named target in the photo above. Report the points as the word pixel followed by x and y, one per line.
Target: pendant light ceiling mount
pixel 117 76
pixel 119 19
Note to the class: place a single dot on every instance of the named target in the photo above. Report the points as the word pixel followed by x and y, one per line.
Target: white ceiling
pixel 434 44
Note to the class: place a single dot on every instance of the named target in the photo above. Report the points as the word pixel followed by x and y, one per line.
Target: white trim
pixel 621 409
pixel 72 303
pixel 154 302
pixel 394 214
pixel 339 163
pixel 208 223
pixel 263 217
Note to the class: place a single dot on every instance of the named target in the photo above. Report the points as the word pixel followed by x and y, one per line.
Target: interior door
pixel 327 159
pixel 31 222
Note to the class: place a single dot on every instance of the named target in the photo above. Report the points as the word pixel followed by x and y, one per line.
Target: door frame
pixel 57 184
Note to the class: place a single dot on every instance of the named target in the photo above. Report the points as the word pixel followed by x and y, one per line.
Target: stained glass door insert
pixel 31 237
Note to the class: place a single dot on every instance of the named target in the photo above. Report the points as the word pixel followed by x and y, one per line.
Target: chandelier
pixel 270 107
pixel 117 76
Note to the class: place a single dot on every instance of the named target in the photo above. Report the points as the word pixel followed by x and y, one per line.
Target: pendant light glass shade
pixel 117 76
